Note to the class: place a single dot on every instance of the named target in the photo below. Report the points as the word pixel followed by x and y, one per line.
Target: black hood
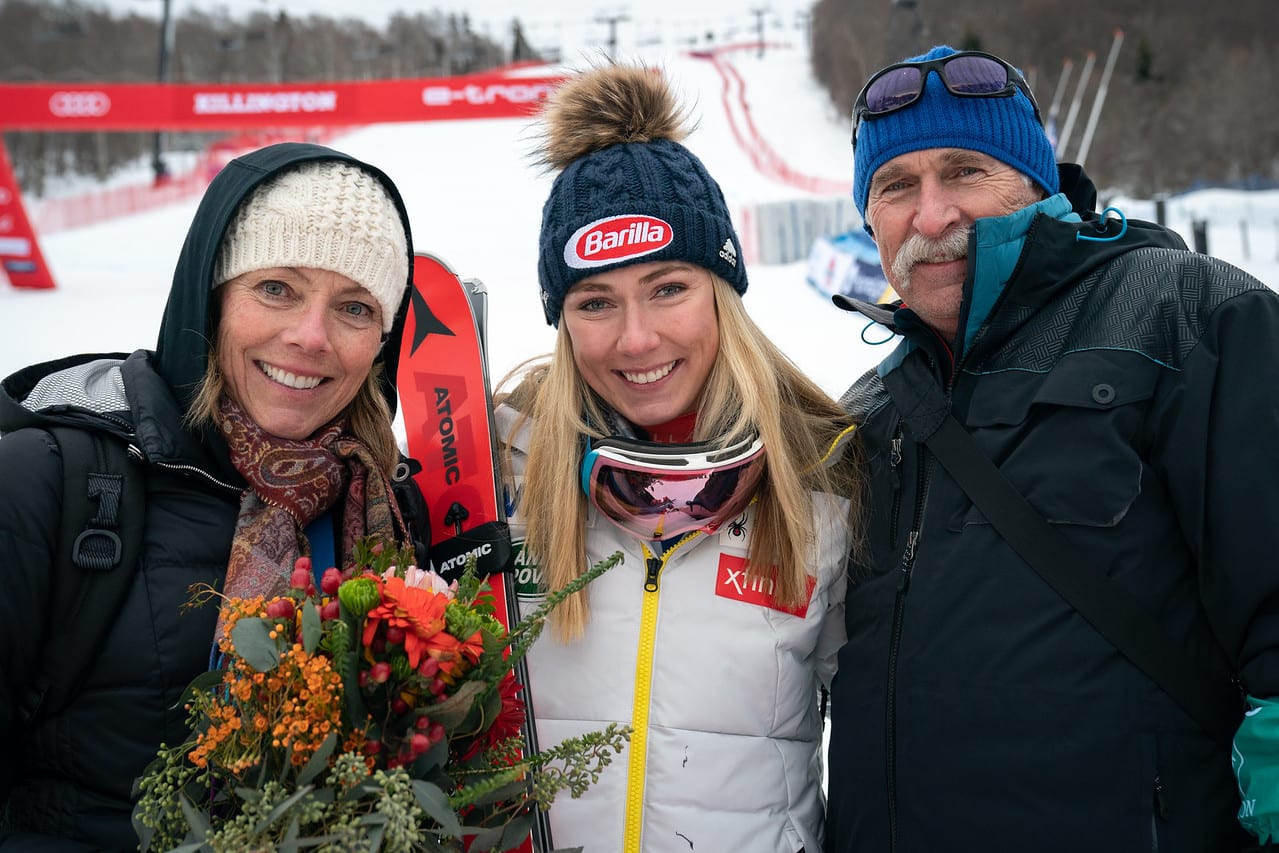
pixel 182 351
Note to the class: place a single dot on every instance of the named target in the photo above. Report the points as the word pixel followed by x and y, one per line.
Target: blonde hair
pixel 368 415
pixel 752 386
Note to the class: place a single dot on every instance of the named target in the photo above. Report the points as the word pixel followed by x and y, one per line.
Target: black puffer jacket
pixel 69 776
pixel 1127 388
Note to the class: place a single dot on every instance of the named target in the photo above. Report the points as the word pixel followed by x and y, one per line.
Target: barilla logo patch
pixel 617 238
pixel 731 582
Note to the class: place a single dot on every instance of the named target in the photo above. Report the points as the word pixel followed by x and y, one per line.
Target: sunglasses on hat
pixel 967 74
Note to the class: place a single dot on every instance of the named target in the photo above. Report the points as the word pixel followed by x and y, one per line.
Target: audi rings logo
pixel 79 104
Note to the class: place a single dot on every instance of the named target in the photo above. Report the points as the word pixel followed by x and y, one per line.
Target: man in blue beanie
pixel 1064 627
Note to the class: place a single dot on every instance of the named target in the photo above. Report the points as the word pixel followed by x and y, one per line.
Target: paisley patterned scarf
pixel 292 483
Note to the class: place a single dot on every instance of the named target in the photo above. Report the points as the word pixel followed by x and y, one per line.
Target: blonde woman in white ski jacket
pixel 666 426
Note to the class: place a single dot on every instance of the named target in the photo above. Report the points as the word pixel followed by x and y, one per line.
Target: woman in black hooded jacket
pixel 280 334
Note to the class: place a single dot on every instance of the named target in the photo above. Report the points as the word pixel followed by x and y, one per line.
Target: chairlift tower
pixel 905 30
pixel 612 20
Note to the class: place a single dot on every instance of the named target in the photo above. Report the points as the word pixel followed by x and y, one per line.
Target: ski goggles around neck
pixel 659 491
pixel 967 74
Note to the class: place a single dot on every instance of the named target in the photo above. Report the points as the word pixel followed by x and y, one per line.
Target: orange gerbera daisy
pixel 419 612
pixel 472 647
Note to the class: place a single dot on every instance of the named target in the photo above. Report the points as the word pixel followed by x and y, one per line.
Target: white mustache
pixel 918 249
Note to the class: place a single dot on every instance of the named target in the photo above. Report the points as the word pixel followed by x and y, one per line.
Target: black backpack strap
pixel 99 541
pixel 413 509
pixel 1209 697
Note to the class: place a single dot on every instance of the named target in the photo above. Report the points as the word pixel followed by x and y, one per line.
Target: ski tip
pixel 435 259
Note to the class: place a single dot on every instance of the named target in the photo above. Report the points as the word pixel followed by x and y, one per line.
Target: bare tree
pixel 1190 102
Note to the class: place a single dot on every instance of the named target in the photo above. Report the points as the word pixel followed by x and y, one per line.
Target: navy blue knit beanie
pixel 1003 128
pixel 630 201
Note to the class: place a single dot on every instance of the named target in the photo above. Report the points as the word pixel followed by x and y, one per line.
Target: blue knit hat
pixel 1004 128
pixel 628 202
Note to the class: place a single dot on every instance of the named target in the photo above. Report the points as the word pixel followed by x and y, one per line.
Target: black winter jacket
pixel 66 779
pixel 1127 388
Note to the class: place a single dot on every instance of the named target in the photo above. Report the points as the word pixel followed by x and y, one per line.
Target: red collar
pixel 676 431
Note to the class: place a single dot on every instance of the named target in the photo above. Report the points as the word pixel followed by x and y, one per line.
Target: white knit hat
pixel 328 215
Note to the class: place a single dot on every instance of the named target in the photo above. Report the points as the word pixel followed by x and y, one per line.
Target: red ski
pixel 445 398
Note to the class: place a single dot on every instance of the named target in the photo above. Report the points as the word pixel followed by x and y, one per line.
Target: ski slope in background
pixel 474 199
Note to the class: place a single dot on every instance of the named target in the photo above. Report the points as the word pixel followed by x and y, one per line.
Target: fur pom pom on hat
pixel 328 215
pixel 628 190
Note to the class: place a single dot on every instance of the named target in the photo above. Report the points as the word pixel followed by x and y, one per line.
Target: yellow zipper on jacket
pixel 637 769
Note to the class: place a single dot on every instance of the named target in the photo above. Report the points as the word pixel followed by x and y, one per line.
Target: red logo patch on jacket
pixel 731 582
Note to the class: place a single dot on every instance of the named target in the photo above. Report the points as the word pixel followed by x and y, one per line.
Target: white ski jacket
pixel 720 686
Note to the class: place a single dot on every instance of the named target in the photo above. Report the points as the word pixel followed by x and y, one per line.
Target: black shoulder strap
pixel 413 509
pixel 1179 669
pixel 99 540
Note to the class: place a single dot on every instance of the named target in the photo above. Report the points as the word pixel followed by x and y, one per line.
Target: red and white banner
pixel 20 254
pixel 512 92
pixel 199 106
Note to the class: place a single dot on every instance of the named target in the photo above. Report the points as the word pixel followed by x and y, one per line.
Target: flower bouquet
pixel 379 712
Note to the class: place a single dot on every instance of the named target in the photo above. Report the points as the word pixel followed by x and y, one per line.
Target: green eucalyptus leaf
pixel 365 788
pixel 488 838
pixel 289 843
pixel 324 795
pixel 311 631
pixel 203 683
pixel 145 833
pixel 517 830
pixel 190 847
pixel 355 712
pixel 195 818
pixel 252 639
pixel 376 836
pixel 432 759
pixel 471 725
pixel 436 805
pixel 454 709
pixel 319 761
pixel 281 809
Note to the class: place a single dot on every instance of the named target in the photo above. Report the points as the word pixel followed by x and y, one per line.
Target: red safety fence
pixel 89 207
